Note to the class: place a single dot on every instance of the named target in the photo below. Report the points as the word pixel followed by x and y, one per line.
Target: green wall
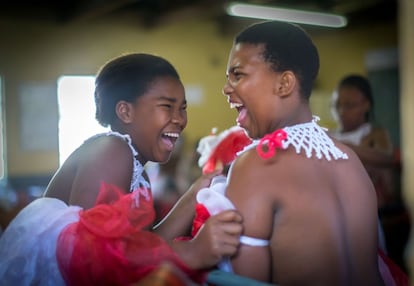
pixel 41 52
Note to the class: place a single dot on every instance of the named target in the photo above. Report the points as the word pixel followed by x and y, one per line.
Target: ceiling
pixel 155 12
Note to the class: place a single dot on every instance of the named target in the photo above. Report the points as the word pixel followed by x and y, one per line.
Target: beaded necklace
pixel 309 137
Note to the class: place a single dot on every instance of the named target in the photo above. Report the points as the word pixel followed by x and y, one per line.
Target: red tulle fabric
pixel 112 243
pixel 201 215
pixel 226 151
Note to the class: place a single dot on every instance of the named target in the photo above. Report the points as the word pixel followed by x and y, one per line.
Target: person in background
pixel 95 223
pixel 352 107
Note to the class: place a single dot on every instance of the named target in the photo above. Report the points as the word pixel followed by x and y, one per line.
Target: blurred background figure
pixel 352 108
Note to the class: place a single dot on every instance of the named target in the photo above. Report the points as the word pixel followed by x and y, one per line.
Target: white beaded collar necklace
pixel 309 137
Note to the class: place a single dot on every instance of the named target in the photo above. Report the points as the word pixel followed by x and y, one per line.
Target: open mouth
pixel 242 112
pixel 169 139
pixel 237 106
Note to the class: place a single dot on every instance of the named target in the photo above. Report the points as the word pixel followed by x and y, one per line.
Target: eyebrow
pixel 170 99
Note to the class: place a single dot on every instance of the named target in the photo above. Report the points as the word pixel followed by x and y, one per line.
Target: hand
pixel 179 220
pixel 219 237
pixel 204 181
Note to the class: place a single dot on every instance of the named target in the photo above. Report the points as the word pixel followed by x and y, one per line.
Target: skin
pixel 320 216
pixel 160 111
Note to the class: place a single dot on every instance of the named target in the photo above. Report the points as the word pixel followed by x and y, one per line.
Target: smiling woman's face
pixel 351 107
pixel 158 118
pixel 250 89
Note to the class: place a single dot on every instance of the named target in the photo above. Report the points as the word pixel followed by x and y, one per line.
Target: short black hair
pixel 125 78
pixel 286 47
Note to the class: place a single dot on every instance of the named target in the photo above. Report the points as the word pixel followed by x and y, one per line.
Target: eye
pixel 231 77
pixel 235 76
pixel 166 105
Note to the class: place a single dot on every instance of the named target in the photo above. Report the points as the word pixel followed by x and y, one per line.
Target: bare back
pixel 102 159
pixel 320 217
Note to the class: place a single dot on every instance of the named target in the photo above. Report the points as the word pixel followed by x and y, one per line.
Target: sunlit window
pixel 76 113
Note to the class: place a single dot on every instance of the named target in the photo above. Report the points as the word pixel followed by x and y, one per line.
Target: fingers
pixel 233 229
pixel 219 237
pixel 228 250
pixel 227 227
pixel 214 173
pixel 207 178
pixel 229 216
pixel 227 242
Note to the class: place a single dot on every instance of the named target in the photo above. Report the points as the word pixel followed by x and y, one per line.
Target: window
pixel 76 113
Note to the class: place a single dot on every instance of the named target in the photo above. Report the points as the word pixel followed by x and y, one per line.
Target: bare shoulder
pixel 350 167
pixel 379 138
pixel 260 185
pixel 97 153
pixel 106 147
pixel 291 180
pixel 105 158
pixel 288 169
pixel 101 159
pixel 379 131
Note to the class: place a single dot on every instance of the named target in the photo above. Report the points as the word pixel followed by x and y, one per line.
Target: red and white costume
pixel 51 243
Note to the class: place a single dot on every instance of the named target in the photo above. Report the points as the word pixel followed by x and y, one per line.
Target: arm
pixel 370 156
pixel 217 238
pixel 375 149
pixel 179 220
pixel 248 190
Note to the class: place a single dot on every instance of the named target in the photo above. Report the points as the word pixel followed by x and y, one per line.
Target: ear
pixel 124 111
pixel 286 83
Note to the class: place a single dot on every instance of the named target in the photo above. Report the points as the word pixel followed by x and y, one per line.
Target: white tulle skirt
pixel 28 244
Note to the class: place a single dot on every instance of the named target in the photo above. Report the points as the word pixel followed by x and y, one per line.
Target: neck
pixel 302 114
pixel 140 158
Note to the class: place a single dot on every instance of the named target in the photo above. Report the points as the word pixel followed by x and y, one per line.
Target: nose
pixel 344 109
pixel 180 118
pixel 227 89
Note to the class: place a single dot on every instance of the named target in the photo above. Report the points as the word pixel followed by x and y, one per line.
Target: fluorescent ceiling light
pixel 287 15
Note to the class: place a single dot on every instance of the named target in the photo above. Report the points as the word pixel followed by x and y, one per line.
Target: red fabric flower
pixel 273 141
pixel 226 151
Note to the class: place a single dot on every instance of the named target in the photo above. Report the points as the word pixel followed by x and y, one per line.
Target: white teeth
pixel 175 135
pixel 235 105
